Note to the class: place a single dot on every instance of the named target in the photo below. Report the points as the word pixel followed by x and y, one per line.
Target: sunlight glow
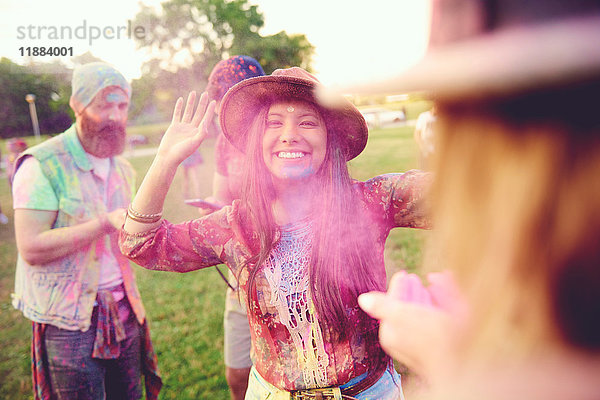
pixel 355 41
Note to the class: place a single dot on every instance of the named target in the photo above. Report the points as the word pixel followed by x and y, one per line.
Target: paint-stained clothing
pixel 62 292
pixel 291 350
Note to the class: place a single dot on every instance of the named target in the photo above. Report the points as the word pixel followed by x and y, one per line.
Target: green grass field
pixel 185 310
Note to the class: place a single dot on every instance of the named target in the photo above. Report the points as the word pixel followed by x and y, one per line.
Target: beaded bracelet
pixel 143 218
pixel 140 215
pixel 142 221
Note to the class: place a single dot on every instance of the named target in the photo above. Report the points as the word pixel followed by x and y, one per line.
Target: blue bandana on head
pixel 89 79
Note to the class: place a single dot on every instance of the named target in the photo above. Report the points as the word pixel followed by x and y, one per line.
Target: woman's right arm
pixel 159 245
pixel 182 138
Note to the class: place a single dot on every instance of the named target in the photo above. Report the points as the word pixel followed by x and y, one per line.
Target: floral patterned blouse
pixel 291 348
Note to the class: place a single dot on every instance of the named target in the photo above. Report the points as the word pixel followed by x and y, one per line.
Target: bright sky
pixel 356 40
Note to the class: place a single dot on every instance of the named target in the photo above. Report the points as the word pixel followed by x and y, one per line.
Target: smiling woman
pixel 295 140
pixel 304 239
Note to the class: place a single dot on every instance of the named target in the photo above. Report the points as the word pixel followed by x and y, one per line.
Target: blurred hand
pixel 187 130
pixel 205 211
pixel 408 287
pixel 417 324
pixel 441 291
pixel 415 335
pixel 445 294
pixel 117 217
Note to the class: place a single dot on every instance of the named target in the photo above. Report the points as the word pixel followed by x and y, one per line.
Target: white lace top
pixel 287 275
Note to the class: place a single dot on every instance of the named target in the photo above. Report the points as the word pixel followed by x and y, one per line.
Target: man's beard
pixel 104 139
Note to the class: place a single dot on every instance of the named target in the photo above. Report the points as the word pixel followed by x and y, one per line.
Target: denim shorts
pixel 388 387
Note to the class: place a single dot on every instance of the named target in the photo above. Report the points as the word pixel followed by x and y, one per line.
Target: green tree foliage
pixel 281 51
pixel 188 37
pixel 52 91
pixel 141 99
pixel 51 84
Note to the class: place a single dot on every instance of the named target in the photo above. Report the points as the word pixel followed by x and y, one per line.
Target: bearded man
pixel 90 338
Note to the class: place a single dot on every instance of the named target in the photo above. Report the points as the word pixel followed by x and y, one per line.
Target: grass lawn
pixel 185 310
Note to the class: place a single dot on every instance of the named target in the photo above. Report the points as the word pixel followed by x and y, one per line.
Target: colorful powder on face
pixel 115 97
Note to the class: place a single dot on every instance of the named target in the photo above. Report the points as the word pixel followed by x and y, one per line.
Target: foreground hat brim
pixel 500 63
pixel 242 102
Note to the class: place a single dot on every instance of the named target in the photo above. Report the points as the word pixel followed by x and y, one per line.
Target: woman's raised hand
pixel 187 130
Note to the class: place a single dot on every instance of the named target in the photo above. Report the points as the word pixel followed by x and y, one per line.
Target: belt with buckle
pixel 332 393
pixel 347 393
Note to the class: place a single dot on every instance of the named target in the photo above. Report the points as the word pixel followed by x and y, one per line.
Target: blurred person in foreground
pixel 227 185
pixel 90 336
pixel 516 206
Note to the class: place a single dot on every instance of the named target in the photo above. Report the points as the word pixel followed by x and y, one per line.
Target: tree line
pixel 197 33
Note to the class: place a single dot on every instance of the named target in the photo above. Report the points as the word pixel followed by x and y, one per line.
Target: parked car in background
pixel 136 140
pixel 380 117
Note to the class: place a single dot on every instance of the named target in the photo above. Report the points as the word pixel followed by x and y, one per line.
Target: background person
pixel 15 147
pixel 227 184
pixel 292 237
pixel 191 175
pixel 516 204
pixel 3 218
pixel 90 339
pixel 424 135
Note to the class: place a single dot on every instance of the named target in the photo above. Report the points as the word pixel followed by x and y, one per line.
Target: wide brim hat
pixel 489 49
pixel 242 102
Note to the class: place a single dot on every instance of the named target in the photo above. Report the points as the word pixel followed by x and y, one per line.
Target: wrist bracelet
pixel 143 218
pixel 131 211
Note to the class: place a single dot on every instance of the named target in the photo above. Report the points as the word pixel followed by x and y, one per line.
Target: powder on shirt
pixel 32 190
